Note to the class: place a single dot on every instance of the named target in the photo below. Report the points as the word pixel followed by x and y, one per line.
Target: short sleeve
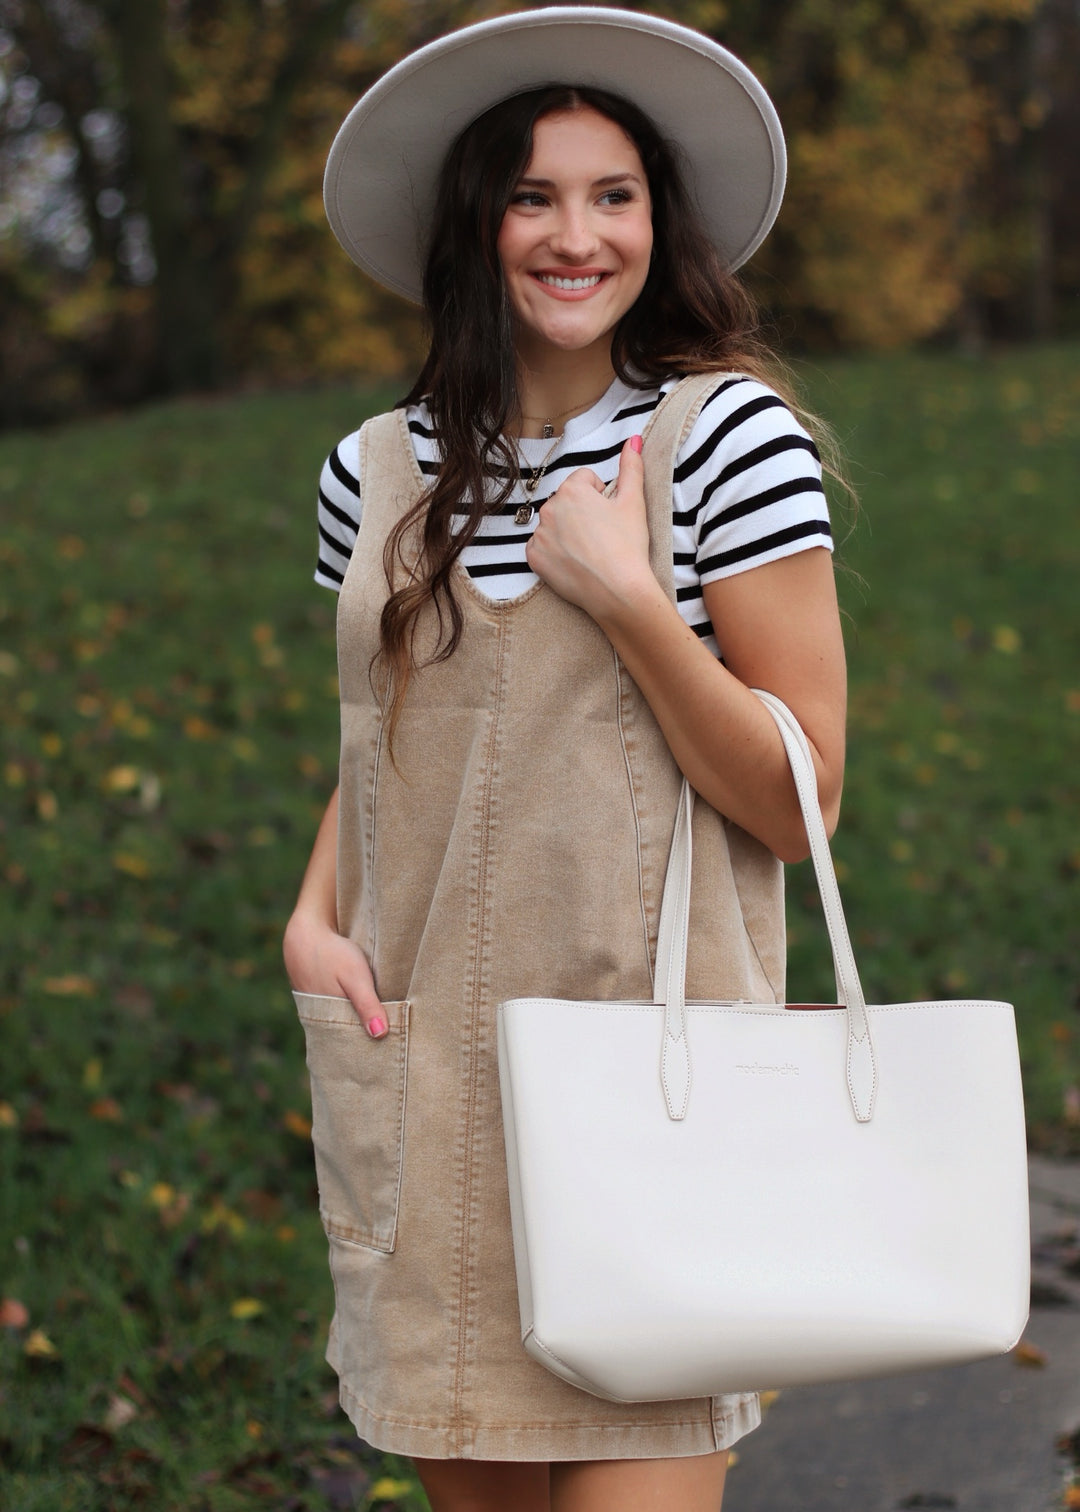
pixel 748 483
pixel 339 511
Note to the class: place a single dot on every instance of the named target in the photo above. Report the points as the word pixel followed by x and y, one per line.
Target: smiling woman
pixel 530 642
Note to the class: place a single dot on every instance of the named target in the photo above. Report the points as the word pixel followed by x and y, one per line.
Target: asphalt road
pixel 979 1438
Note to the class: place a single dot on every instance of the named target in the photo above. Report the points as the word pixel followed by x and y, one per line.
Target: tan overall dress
pixel 518 849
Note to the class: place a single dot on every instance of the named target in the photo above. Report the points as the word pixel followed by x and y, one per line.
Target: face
pixel 576 238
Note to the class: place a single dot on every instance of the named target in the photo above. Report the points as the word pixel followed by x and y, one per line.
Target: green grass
pixel 959 841
pixel 170 731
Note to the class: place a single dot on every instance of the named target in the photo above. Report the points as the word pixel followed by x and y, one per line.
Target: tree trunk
pixel 189 347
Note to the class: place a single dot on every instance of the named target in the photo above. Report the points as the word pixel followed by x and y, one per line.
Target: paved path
pixel 980 1438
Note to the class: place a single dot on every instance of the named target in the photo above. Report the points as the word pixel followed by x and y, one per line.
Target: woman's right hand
pixel 326 964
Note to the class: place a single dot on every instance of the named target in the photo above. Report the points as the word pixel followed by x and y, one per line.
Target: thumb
pixel 631 479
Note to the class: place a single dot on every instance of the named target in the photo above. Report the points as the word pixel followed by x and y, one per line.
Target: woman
pixel 508 785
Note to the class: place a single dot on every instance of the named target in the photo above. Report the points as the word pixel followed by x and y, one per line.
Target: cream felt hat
pixel 384 163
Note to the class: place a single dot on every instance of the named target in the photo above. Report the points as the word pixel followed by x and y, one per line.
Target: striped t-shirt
pixel 746 490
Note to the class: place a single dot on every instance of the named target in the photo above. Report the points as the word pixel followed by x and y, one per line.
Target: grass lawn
pixel 167 671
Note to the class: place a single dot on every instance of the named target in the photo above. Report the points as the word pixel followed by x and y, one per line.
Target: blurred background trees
pixel 161 225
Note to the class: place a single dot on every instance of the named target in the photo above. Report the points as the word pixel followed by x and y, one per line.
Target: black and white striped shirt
pixel 746 491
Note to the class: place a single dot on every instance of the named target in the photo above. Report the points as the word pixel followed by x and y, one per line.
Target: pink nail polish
pixel 635 444
pixel 376 1028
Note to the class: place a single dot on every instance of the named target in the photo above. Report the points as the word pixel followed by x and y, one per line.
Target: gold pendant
pixel 524 514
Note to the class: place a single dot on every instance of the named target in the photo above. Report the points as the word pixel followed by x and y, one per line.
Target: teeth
pixel 570 283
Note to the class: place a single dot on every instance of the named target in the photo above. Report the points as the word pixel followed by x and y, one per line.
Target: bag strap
pixel 670 977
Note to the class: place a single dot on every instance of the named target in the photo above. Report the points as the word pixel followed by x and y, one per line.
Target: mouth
pixel 574 284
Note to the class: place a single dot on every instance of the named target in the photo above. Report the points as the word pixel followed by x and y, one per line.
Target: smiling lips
pixel 576 284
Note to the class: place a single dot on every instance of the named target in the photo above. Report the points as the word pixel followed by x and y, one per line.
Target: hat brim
pixel 383 167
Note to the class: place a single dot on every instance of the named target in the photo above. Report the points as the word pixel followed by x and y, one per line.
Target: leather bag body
pixel 727 1196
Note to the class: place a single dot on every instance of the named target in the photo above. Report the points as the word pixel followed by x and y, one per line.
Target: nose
pixel 574 236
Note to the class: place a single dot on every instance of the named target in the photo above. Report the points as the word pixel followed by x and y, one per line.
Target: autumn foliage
pixel 932 190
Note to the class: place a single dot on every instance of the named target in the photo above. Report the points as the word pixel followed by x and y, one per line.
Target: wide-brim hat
pixel 384 164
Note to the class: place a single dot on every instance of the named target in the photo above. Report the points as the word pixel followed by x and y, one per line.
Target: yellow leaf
pixel 387 1489
pixel 246 1307
pixel 286 1233
pixel 131 865
pixel 197 728
pixel 47 807
pixel 14 774
pixel 9 1119
pixel 91 1077
pixel 1006 639
pixel 39 1346
pixel 51 744
pixel 160 1194
pixel 121 779
pixel 71 985
pixel 254 1430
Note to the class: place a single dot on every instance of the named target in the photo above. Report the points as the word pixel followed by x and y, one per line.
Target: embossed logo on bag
pixel 760 1068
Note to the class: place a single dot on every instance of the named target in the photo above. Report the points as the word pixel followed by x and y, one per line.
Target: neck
pixel 563 384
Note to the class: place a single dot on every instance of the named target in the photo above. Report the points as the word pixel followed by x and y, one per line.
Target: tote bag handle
pixel 669 981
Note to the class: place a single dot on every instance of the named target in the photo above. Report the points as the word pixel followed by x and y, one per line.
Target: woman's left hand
pixel 593 550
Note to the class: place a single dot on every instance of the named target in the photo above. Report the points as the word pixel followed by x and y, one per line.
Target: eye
pixel 616 197
pixel 530 198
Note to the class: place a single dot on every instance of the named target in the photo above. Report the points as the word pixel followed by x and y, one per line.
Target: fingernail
pixel 376 1028
pixel 635 444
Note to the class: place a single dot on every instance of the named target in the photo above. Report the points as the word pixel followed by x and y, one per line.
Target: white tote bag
pixel 715 1197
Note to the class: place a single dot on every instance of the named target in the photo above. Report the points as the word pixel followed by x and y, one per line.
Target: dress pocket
pixel 357 1117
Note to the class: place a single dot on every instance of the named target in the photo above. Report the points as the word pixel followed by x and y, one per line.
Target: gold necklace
pixel 547 425
pixel 526 511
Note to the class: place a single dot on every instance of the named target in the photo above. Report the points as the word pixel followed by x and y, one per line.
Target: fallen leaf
pixel 13 1314
pixel 70 985
pixel 297 1124
pixel 1030 1355
pixel 1006 639
pixel 121 1411
pixel 246 1307
pixel 39 1346
pixel 386 1489
pixel 107 1109
pixel 121 779
pixel 131 865
pixel 9 1119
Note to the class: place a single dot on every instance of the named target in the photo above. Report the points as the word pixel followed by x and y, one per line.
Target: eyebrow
pixel 601 183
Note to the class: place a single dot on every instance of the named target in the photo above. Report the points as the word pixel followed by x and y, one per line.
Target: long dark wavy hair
pixel 693 315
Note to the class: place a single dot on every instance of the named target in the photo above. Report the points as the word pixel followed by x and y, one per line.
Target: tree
pixel 196 128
